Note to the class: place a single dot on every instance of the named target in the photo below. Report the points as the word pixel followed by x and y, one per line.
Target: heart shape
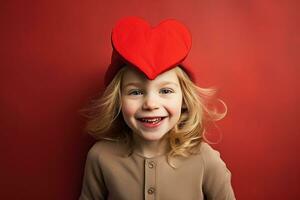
pixel 153 50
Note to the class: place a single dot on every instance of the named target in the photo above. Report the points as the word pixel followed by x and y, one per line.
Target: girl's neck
pixel 150 149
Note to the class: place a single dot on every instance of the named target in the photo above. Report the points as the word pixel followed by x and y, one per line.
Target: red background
pixel 54 53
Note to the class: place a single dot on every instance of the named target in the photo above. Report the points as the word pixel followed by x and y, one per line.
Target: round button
pixel 151 164
pixel 151 190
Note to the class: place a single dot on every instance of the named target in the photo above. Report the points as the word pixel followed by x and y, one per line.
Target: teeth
pixel 155 120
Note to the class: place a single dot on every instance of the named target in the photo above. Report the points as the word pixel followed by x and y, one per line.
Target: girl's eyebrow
pixel 133 84
pixel 168 83
pixel 160 84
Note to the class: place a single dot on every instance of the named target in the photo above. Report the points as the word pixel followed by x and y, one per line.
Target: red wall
pixel 53 55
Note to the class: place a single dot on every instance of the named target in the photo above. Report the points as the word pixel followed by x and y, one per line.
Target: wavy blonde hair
pixel 105 120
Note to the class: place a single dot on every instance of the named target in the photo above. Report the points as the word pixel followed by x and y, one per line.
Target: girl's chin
pixel 151 138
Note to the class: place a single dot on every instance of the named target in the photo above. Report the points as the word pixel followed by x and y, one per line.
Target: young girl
pixel 150 122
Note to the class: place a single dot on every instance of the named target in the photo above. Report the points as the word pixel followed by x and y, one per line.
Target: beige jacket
pixel 112 174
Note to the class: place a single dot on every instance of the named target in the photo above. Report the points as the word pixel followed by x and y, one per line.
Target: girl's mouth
pixel 151 122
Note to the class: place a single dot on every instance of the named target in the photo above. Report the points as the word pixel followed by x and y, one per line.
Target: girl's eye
pixel 135 92
pixel 166 91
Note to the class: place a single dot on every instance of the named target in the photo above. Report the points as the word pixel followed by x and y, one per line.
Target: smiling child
pixel 150 122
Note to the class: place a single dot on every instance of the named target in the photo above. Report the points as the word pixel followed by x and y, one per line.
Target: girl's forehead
pixel 134 75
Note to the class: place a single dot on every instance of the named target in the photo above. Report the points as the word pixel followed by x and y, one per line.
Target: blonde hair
pixel 187 134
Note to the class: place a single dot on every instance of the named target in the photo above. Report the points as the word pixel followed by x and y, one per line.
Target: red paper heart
pixel 153 50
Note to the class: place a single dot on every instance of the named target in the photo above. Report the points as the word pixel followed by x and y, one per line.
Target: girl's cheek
pixel 128 108
pixel 174 105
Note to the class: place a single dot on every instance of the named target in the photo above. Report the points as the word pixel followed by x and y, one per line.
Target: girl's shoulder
pixel 211 158
pixel 204 149
pixel 207 149
pixel 108 148
pixel 203 154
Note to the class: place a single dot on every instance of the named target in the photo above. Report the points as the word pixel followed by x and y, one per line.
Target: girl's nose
pixel 150 103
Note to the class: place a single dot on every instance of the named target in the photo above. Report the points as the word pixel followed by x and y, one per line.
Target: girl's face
pixel 151 107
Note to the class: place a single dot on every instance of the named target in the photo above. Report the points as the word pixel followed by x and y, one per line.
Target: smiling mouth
pixel 152 120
